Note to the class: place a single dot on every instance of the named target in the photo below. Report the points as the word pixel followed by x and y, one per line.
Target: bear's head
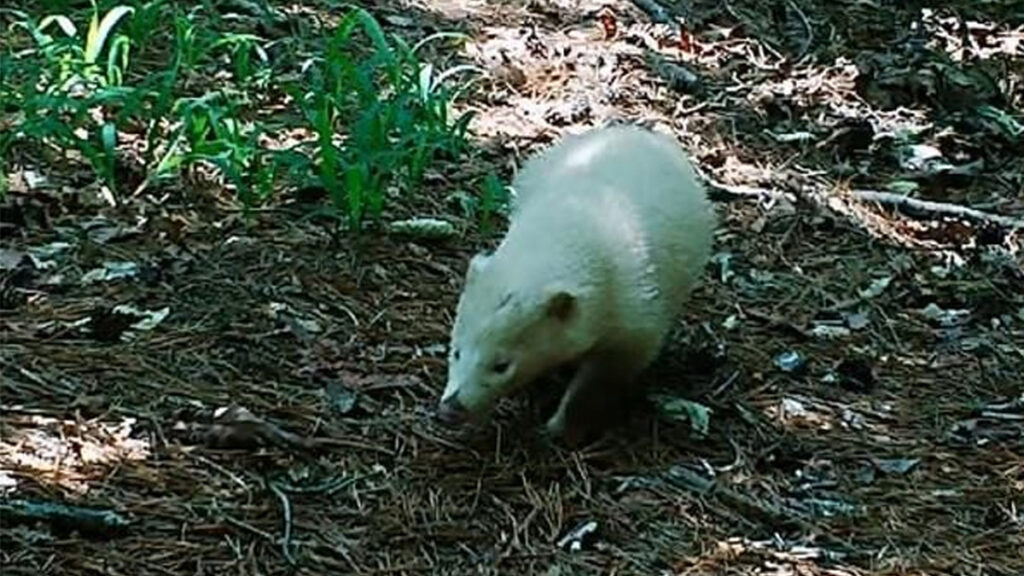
pixel 509 329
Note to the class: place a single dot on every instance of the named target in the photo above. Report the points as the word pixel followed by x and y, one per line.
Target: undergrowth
pixel 349 110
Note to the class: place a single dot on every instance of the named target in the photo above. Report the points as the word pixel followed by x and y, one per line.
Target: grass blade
pixel 100 30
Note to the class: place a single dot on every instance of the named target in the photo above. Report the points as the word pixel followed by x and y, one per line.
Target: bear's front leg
pixel 594 396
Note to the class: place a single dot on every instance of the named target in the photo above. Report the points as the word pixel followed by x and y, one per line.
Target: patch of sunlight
pixel 985 40
pixel 457 9
pixel 832 88
pixel 807 413
pixel 831 85
pixel 576 72
pixel 568 73
pixel 65 453
pixel 449 9
pixel 738 171
pixel 780 558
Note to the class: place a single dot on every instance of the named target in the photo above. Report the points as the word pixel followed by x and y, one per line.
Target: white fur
pixel 616 221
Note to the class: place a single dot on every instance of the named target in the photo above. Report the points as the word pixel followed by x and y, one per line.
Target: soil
pixel 862 362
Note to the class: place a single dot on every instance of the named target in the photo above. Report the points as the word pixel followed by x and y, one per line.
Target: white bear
pixel 610 231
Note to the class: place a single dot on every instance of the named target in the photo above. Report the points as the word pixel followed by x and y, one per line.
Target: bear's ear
pixel 477 264
pixel 560 304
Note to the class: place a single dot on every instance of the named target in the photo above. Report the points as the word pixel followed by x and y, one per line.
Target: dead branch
pixel 915 206
pixel 238 428
pixel 771 514
pixel 719 192
pixel 66 519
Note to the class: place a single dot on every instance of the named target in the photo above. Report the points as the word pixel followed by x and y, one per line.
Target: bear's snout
pixel 451 411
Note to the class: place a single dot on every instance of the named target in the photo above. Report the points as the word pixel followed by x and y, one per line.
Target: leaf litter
pixel 283 342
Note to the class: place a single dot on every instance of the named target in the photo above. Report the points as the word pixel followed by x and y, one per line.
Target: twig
pixel 348 443
pixel 1003 416
pixel 778 323
pixel 737 460
pixel 807 26
pixel 249 527
pixel 679 78
pixel 286 511
pixel 90 522
pixel 728 192
pixel 328 488
pixel 229 474
pixel 684 478
pixel 732 11
pixel 720 192
pixel 927 207
pixel 747 506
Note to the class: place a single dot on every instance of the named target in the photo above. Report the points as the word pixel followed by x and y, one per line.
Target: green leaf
pixel 905 187
pixel 117 60
pixel 356 181
pixel 1007 124
pixel 438 36
pixel 62 22
pixel 425 81
pixel 456 70
pixel 108 138
pixel 98 31
pixel 698 415
pixel 370 25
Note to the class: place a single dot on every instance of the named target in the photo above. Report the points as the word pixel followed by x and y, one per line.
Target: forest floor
pixel 862 361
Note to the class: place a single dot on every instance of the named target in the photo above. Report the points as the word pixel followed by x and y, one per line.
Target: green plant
pixel 242 47
pixel 378 115
pixel 188 45
pixel 493 200
pixel 390 109
pixel 213 133
pixel 68 123
pixel 74 64
pixel 63 101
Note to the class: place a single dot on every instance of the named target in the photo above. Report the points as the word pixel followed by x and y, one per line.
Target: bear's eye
pixel 501 366
pixel 455 355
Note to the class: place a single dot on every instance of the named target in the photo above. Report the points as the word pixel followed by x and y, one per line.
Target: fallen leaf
pixel 945 318
pixel 898 466
pixel 423 228
pixel 109 325
pixel 148 319
pixel 111 271
pixel 857 320
pixel 876 288
pixel 791 362
pixel 10 259
pixel 579 536
pixel 680 409
pixel 343 401
pixel 609 24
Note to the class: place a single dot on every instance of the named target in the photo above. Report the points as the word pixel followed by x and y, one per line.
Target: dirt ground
pixel 863 365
